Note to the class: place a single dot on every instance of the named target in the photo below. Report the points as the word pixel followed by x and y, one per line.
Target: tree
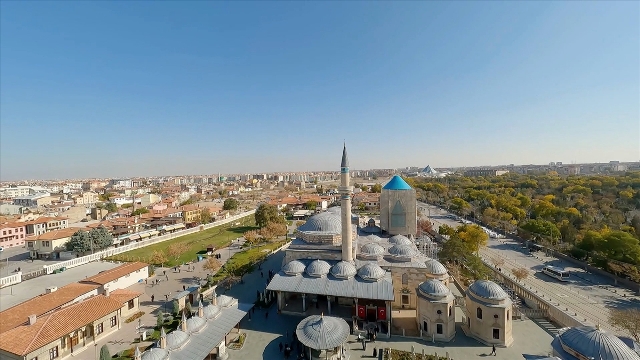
pixel 111 207
pixel 542 227
pixel 474 236
pixel 176 249
pixel 497 262
pixel 635 223
pixel 205 216
pixel 139 211
pixel 276 229
pixel 104 353
pixel 520 273
pixel 376 188
pixel 267 233
pixel 251 236
pixel 187 307
pixel 230 204
pixel 212 264
pixel 79 242
pixel 160 319
pixel 101 238
pixel 627 320
pixel 445 229
pixel 425 226
pixel 267 213
pixel 460 206
pixel 158 258
pixel 311 205
pixel 176 307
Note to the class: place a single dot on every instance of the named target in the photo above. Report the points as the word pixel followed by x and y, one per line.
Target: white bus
pixel 556 272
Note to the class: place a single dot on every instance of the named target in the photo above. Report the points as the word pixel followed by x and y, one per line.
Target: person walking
pixel 280 346
pixel 493 350
pixel 261 274
pixel 184 288
pixel 152 297
pixel 375 352
pixel 167 276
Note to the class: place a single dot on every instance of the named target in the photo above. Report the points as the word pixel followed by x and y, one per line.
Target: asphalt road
pixel 589 295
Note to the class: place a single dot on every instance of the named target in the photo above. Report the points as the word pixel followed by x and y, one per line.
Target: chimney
pixel 50 289
pixel 163 339
pixel 107 292
pixel 32 319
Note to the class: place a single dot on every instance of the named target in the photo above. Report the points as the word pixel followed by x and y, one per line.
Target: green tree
pixel 104 353
pixel 139 211
pixel 111 207
pixel 621 246
pixel 160 319
pixel 474 236
pixel 267 213
pixel 205 216
pixel 311 205
pixel 460 206
pixel 376 188
pixel 187 307
pixel 176 307
pixel 635 223
pixel 79 242
pixel 230 204
pixel 101 238
pixel 445 229
pixel 542 227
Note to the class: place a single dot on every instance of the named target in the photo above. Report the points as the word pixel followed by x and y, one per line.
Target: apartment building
pixel 35 200
pixel 190 213
pixel 46 246
pixel 44 224
pixel 12 234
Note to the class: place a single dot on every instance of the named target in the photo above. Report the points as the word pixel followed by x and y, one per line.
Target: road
pixel 586 294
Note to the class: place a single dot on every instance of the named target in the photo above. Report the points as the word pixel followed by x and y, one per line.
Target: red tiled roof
pixel 116 273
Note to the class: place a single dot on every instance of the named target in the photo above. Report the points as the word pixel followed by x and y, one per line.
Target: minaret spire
pixel 345 204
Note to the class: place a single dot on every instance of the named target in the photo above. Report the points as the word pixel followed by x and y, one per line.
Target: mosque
pixel 337 268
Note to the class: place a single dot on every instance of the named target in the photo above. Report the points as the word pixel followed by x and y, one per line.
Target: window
pixel 479 313
pixel 496 334
pixel 45 243
pixel 113 321
pixel 99 329
pixel 405 279
pixel 507 315
pixel 131 304
pixel 495 316
pixel 398 217
pixel 439 329
pixel 425 326
pixel 53 353
pixel 405 299
pixel 450 310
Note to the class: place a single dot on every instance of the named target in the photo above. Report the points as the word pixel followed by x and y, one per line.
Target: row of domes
pixel 341 270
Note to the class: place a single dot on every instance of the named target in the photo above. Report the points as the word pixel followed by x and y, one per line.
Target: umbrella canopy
pixel 322 332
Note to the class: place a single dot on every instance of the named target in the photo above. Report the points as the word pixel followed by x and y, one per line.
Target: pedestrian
pixel 167 277
pixel 261 274
pixel 493 350
pixel 166 297
pixel 146 282
pixel 375 352
pixel 280 346
pixel 152 297
pixel 184 288
pixel 165 272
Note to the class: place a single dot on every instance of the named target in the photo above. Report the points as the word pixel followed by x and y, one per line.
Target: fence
pixel 11 279
pixel 110 252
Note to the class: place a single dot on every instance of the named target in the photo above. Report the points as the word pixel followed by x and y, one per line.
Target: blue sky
pixel 107 89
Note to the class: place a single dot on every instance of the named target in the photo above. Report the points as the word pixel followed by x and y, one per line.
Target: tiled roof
pixel 42 304
pixel 12 225
pixel 115 273
pixel 123 295
pixel 27 338
pixel 54 235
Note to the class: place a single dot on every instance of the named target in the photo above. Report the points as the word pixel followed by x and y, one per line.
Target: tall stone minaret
pixel 345 202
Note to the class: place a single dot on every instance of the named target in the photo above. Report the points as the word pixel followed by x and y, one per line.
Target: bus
pixel 556 272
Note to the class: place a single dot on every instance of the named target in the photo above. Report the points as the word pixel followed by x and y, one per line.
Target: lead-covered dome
pixel 593 343
pixel 176 339
pixel 488 290
pixel 400 240
pixel 294 267
pixel 318 268
pixel 371 250
pixel 155 354
pixel 434 267
pixel 371 272
pixel 434 289
pixel 343 270
pixel 211 311
pixel 195 324
pixel 403 252
pixel 326 222
pixel 322 332
pixel 373 237
pixel 225 301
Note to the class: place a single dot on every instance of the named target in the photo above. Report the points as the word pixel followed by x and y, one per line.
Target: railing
pixel 110 252
pixel 11 279
pixel 33 274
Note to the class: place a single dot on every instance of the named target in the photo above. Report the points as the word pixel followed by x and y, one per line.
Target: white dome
pixel 326 222
pixel 593 343
pixel 195 324
pixel 373 237
pixel 294 267
pixel 434 288
pixel 371 249
pixel 488 290
pixel 371 272
pixel 403 252
pixel 225 301
pixel 211 311
pixel 176 339
pixel 400 240
pixel 155 354
pixel 434 267
pixel 318 268
pixel 343 270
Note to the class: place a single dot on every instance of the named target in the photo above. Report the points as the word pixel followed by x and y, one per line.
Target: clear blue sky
pixel 107 89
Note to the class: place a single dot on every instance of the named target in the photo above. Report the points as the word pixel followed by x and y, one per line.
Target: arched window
pixel 479 313
pixel 405 279
pixel 398 216
pixel 507 315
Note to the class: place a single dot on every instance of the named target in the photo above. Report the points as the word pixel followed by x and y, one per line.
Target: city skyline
pixel 266 87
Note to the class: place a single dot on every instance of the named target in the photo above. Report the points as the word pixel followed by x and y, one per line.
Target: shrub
pixel 134 316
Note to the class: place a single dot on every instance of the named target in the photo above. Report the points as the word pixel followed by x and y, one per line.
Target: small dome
pixel 343 270
pixel 593 343
pixel 371 272
pixel 488 290
pixel 434 267
pixel 326 222
pixel 400 240
pixel 225 301
pixel 322 332
pixel 373 237
pixel 155 354
pixel 434 288
pixel 403 252
pixel 294 267
pixel 371 249
pixel 211 311
pixel 318 268
pixel 176 339
pixel 195 324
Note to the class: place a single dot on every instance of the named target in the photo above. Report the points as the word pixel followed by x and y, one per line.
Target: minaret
pixel 345 203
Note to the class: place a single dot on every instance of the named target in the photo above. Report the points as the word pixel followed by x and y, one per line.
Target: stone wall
pixel 407 198
pixel 415 276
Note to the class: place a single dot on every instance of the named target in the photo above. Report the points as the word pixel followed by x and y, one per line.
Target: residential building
pixel 485 172
pixel 89 198
pixel 148 199
pixel 35 200
pixel 10 209
pixel 190 213
pixel 49 244
pixel 44 224
pixel 12 234
pixel 119 278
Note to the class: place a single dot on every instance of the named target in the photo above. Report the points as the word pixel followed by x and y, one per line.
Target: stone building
pixel 488 313
pixel 436 317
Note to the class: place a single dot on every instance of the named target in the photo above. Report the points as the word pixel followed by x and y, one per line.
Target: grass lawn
pixel 219 237
pixel 244 261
